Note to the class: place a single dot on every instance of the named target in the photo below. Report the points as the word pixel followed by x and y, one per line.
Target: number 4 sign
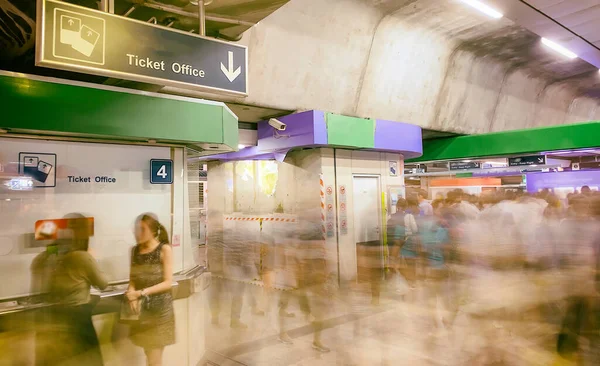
pixel 161 171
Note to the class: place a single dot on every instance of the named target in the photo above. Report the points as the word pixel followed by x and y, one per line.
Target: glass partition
pixel 197 188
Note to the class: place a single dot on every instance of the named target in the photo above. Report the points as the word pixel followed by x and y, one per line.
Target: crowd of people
pixel 503 257
pixel 495 274
pixel 506 268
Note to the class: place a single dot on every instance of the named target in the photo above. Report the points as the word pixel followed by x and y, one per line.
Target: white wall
pixel 114 206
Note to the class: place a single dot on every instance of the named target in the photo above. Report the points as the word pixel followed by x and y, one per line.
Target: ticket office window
pixel 46 180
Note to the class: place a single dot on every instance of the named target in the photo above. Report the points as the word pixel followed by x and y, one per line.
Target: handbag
pixel 128 315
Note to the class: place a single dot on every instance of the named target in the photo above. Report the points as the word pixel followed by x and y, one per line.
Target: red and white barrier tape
pixel 275 219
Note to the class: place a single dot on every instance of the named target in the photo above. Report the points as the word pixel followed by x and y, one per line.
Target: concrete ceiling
pixel 462 58
pixel 437 63
pixel 225 18
pixel 504 39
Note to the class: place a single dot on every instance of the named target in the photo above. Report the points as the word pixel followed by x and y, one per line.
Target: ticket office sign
pixel 80 39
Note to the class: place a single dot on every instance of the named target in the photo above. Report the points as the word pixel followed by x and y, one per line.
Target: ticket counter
pixel 108 156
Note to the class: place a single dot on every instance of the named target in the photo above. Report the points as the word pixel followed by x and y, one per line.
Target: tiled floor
pixel 398 331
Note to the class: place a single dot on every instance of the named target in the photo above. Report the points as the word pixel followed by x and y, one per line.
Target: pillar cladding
pixel 340 168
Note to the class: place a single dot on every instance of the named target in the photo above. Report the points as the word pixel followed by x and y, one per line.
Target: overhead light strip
pixel 558 48
pixel 487 10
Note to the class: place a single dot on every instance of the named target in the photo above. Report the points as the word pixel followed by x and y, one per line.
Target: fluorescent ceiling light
pixel 484 8
pixel 558 48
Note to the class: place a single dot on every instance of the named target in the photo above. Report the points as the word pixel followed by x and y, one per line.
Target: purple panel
pixel 309 129
pixel 320 128
pixel 398 137
pixel 537 181
pixel 299 132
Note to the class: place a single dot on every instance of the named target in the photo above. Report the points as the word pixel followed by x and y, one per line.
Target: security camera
pixel 277 124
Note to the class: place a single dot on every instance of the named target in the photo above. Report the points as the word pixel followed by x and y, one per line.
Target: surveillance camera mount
pixel 277 135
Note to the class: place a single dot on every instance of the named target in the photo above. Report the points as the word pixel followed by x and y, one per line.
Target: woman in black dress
pixel 149 292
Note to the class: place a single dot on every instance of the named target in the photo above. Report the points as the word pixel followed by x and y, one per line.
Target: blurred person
pixel 221 258
pixel 73 339
pixel 578 341
pixel 149 292
pixel 425 208
pixel 254 252
pixel 474 200
pixel 434 239
pixel 396 235
pixel 548 234
pixel 571 199
pixel 492 262
pixel 578 231
pixel 239 266
pixel 409 252
pixel 486 201
pixel 291 260
pixel 370 257
pixel 459 201
pixel 529 216
pixel 42 268
pixel 265 268
pixel 310 269
pixel 455 220
pixel 586 191
pixel 554 208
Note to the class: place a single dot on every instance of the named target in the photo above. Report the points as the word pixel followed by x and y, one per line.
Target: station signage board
pixel 80 39
pixel 464 165
pixel 527 160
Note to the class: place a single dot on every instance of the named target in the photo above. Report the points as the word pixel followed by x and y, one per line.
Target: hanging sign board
pixel 527 160
pixel 80 39
pixel 463 165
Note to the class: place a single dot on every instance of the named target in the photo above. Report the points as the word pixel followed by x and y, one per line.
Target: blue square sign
pixel 161 171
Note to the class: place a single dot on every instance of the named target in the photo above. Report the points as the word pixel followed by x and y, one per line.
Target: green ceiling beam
pixel 518 142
